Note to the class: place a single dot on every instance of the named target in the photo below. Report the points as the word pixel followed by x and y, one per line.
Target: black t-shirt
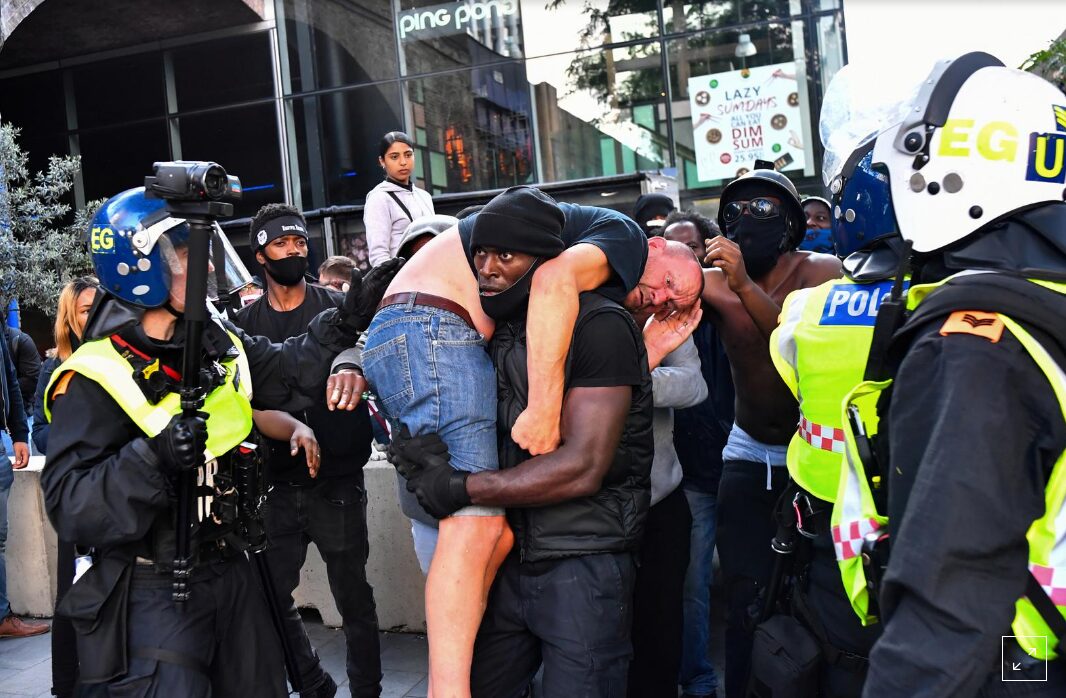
pixel 604 354
pixel 343 436
pixel 621 239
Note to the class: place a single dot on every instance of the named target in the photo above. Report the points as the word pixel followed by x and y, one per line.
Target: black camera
pixel 191 181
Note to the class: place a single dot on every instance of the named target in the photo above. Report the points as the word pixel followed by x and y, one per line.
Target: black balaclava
pixel 521 219
pixel 649 206
pixel 289 270
pixel 760 242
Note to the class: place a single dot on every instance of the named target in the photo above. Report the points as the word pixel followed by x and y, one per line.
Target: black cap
pixel 521 219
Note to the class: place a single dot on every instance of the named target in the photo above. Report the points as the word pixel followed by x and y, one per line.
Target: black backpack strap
pixel 399 203
pixel 1046 608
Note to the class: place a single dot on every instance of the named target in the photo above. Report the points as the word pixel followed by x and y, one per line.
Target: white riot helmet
pixel 978 142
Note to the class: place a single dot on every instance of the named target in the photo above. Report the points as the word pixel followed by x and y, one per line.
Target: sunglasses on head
pixel 758 207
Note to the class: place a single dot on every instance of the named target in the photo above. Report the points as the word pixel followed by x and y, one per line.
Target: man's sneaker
pixel 13 626
pixel 326 689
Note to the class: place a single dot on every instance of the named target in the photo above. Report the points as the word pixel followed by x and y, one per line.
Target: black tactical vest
pixel 612 520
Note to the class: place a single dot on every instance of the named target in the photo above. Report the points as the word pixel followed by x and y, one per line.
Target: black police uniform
pixel 975 430
pixel 103 488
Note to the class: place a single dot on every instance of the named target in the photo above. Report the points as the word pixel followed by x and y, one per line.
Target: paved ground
pixel 26 669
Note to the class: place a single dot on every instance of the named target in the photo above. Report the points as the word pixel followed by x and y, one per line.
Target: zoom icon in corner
pixel 1021 657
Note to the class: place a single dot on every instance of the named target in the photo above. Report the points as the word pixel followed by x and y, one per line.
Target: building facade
pixel 294 95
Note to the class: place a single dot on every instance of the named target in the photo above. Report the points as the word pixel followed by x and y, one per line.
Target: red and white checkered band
pixel 847 537
pixel 1053 580
pixel 821 436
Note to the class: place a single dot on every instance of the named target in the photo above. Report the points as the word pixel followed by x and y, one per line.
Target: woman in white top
pixel 392 205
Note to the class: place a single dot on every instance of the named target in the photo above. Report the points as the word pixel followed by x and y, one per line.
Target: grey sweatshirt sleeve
pixel 678 381
pixel 377 219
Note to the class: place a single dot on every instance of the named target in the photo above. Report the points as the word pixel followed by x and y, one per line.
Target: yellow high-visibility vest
pixel 228 406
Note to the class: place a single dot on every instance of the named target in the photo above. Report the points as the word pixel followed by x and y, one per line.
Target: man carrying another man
pixel 452 321
pixel 564 595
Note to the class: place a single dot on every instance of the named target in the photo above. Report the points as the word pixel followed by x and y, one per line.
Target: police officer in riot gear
pixel 120 445
pixel 820 351
pixel 971 420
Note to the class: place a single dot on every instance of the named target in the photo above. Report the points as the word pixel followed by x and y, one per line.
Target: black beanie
pixel 521 219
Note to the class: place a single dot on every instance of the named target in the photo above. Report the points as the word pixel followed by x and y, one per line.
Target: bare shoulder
pixel 714 286
pixel 814 268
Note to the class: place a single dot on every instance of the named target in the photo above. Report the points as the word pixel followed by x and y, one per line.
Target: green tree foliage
pixel 39 252
pixel 1050 63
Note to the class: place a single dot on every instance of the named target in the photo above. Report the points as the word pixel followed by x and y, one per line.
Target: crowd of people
pixel 584 407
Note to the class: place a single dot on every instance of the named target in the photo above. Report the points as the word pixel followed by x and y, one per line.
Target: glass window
pixel 244 140
pixel 335 139
pixel 479 127
pixel 334 43
pixel 116 159
pixel 100 104
pixel 559 26
pixel 35 104
pixel 680 17
pixel 436 36
pixel 227 71
pixel 735 103
pixel 599 112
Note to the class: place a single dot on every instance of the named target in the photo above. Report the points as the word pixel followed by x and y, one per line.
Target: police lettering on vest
pixel 855 304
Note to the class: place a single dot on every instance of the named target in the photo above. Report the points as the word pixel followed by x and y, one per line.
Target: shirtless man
pixel 754 265
pixel 425 359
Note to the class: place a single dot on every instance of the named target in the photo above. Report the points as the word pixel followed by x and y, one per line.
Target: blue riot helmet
pixel 862 204
pixel 138 251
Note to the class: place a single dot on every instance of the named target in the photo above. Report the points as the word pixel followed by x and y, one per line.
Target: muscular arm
pixel 975 429
pixel 553 306
pixel 592 426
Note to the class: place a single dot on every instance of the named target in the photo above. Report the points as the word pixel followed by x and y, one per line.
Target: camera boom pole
pixel 192 393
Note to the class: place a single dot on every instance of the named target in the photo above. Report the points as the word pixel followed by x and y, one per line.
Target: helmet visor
pixel 174 251
pixel 860 104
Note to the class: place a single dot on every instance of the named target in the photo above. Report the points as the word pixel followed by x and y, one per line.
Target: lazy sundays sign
pixel 746 115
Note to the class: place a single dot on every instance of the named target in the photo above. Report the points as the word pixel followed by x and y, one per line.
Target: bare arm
pixel 593 419
pixel 724 254
pixel 282 426
pixel 553 306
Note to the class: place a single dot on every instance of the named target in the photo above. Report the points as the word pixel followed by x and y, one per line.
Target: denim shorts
pixel 431 373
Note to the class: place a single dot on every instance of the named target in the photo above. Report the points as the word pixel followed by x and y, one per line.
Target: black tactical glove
pixel 364 293
pixel 180 446
pixel 424 462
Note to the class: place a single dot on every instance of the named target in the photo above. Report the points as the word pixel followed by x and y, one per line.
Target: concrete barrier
pixel 399 587
pixel 31 545
pixel 392 570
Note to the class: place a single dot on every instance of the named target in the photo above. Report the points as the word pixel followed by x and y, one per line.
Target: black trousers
pixel 332 515
pixel 573 614
pixel 745 529
pixel 64 645
pixel 829 602
pixel 218 643
pixel 658 615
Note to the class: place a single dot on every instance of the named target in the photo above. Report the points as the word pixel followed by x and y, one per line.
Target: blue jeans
pixel 431 373
pixel 697 675
pixel 7 476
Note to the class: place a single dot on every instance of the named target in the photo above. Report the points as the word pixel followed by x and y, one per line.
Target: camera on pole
pixel 200 193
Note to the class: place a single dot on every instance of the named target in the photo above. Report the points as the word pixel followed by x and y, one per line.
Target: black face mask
pixel 287 271
pixel 511 303
pixel 760 243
